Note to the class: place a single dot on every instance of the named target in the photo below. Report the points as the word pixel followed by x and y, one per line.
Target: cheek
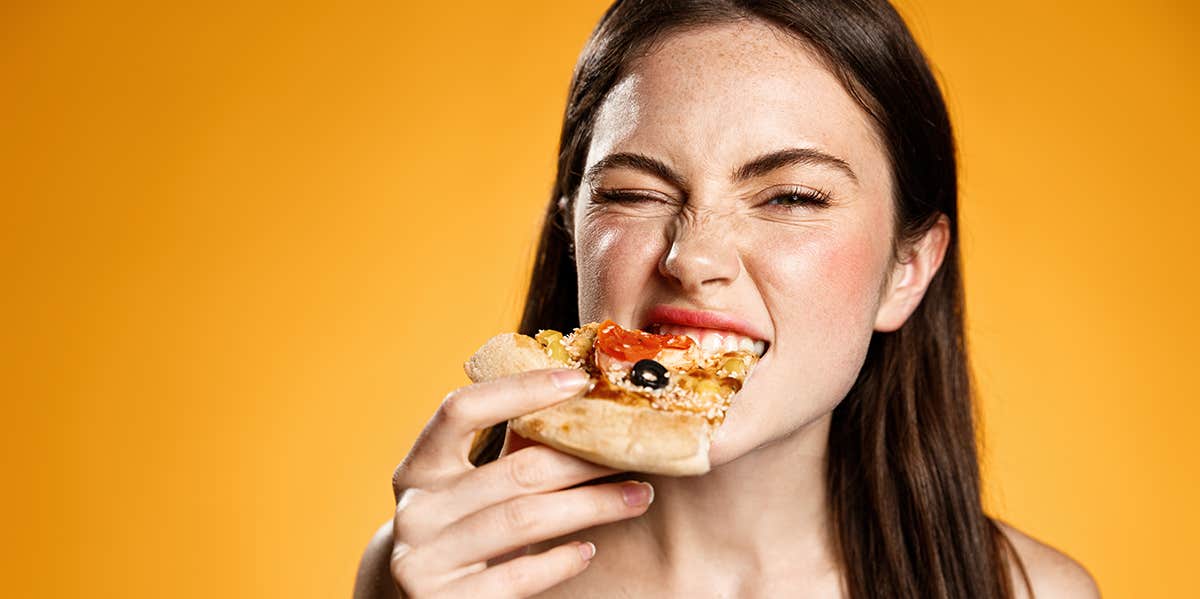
pixel 613 261
pixel 822 297
pixel 851 272
pixel 820 289
pixel 824 284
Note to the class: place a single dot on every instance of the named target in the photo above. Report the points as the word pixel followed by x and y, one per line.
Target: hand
pixel 452 517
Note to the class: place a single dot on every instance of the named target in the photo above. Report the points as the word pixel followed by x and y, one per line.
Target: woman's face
pixel 730 172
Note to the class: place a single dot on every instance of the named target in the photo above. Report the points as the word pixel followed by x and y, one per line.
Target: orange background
pixel 246 247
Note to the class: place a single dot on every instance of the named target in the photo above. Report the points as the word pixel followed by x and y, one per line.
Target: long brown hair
pixel 903 475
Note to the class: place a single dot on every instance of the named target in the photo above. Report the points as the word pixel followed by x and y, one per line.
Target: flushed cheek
pixel 822 298
pixel 851 272
pixel 827 281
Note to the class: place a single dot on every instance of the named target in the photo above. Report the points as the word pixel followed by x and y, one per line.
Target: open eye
pixel 799 196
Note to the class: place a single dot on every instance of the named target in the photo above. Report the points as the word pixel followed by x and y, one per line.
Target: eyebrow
pixel 757 167
pixel 637 162
pixel 792 157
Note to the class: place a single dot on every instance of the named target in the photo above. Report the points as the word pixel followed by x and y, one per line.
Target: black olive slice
pixel 650 374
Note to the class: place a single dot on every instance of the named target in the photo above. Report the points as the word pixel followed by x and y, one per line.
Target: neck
pixel 765 511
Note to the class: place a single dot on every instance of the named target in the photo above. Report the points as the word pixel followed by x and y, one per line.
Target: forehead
pixel 712 97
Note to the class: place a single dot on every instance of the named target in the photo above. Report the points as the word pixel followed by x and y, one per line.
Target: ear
pixel 568 214
pixel 911 275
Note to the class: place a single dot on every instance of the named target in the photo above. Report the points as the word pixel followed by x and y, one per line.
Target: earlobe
pixel 568 220
pixel 566 213
pixel 911 277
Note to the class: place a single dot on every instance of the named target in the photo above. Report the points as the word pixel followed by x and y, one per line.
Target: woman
pixel 779 170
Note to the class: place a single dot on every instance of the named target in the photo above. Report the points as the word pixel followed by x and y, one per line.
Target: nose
pixel 702 257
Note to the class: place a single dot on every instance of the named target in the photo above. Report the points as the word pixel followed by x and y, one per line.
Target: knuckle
pixel 517 576
pixel 399 479
pixel 404 526
pixel 415 471
pixel 407 517
pixel 406 573
pixel 533 381
pixel 518 515
pixel 568 562
pixel 413 583
pixel 455 406
pixel 527 470
pixel 604 504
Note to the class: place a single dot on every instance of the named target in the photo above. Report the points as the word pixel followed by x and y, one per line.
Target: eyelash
pixel 798 197
pixel 807 197
pixel 621 197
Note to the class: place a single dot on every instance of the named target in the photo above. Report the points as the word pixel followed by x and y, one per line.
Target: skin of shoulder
pixel 1051 572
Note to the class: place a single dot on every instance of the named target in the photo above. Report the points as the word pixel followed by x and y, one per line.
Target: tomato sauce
pixel 631 346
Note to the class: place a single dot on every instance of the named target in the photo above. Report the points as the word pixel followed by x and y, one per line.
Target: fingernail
pixel 587 550
pixel 637 494
pixel 570 380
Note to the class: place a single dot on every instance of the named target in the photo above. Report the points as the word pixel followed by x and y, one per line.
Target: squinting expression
pixel 730 171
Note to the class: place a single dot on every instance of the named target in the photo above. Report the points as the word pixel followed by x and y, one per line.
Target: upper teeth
pixel 712 340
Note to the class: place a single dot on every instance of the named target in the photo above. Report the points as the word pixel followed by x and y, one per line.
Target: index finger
pixel 447 437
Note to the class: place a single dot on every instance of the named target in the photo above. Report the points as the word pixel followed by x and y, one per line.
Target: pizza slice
pixel 655 402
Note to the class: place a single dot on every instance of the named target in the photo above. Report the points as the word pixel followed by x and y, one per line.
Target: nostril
pixel 694 264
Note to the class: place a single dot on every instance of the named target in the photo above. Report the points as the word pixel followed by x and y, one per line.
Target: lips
pixel 712 331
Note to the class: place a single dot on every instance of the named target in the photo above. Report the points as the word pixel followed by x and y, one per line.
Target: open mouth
pixel 714 340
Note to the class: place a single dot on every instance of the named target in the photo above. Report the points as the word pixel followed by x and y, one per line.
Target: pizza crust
pixel 635 438
pixel 505 355
pixel 620 436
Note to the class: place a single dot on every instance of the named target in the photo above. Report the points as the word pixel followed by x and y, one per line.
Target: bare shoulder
pixel 1052 573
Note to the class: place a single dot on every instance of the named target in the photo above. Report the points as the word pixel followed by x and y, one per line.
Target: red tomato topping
pixel 632 346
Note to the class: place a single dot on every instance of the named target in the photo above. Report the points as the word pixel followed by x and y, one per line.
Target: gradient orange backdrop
pixel 247 246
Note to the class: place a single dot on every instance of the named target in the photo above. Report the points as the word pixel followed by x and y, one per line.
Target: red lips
pixel 705 319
